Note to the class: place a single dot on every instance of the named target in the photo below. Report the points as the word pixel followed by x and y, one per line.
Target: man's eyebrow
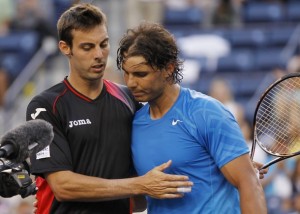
pixel 105 40
pixel 86 43
pixel 91 43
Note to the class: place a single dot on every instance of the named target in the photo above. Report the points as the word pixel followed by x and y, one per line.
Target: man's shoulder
pixel 44 101
pixel 111 84
pixel 123 93
pixel 49 94
pixel 198 98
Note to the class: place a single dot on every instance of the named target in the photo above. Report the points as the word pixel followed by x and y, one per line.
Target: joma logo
pixel 79 122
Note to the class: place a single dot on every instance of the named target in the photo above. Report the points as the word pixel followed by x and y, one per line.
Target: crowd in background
pixel 282 183
pixel 24 25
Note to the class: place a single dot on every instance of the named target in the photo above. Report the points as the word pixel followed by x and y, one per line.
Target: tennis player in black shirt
pixel 86 169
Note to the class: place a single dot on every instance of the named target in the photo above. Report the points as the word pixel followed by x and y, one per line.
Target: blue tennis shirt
pixel 200 136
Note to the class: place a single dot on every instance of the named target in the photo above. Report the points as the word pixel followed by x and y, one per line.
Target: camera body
pixel 15 179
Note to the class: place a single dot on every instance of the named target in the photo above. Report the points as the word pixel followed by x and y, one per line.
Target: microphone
pixel 32 136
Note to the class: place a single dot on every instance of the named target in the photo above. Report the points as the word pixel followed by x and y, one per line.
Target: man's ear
pixel 64 48
pixel 169 70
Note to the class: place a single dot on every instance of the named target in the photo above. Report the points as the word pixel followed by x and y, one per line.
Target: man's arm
pixel 70 186
pixel 240 173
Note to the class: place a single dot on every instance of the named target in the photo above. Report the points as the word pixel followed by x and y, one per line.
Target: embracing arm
pixel 70 186
pixel 240 173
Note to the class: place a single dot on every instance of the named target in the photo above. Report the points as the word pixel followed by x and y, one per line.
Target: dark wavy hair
pixel 153 42
pixel 79 17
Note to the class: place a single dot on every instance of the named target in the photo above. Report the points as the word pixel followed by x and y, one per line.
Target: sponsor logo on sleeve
pixel 37 112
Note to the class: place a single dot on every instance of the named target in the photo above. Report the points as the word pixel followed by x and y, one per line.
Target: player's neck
pixel 160 106
pixel 90 89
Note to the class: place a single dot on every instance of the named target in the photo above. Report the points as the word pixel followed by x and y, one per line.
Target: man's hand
pixel 261 172
pixel 158 184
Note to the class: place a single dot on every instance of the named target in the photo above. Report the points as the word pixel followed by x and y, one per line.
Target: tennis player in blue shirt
pixel 195 131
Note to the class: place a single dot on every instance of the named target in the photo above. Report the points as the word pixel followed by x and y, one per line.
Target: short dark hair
pixel 79 17
pixel 153 42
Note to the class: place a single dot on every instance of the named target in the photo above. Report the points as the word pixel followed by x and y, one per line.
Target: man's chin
pixel 140 99
pixel 96 76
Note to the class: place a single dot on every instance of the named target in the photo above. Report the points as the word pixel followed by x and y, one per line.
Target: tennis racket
pixel 276 124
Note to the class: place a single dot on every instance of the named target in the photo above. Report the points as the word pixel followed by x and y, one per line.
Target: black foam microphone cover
pixel 32 136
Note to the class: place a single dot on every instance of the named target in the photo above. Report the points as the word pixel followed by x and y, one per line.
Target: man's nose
pixel 98 53
pixel 131 82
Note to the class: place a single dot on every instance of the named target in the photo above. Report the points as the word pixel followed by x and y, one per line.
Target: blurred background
pixel 233 50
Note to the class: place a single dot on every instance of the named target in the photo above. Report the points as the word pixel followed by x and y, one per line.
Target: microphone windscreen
pixel 32 136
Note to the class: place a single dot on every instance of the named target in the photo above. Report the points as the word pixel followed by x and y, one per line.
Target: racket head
pixel 276 124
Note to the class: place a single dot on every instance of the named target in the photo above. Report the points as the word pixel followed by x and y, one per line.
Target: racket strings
pixel 278 118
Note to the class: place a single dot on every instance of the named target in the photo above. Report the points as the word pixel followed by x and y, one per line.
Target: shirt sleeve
pixel 56 156
pixel 220 133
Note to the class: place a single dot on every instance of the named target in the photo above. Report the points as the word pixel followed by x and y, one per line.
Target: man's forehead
pixel 95 34
pixel 134 62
